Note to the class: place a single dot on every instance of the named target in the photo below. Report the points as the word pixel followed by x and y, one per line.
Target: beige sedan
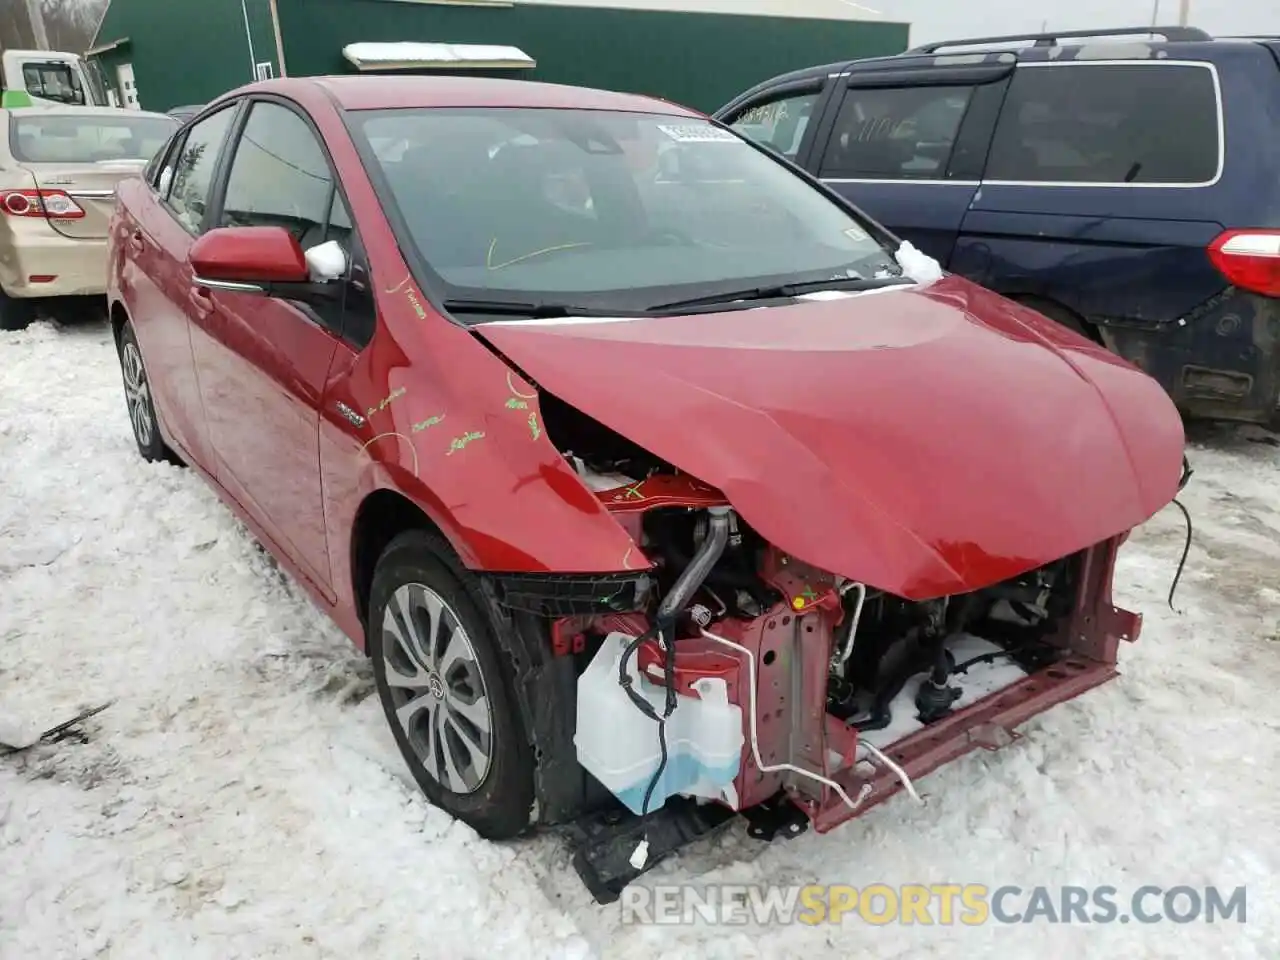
pixel 59 167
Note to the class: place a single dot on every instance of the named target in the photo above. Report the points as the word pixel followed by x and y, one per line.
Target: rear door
pixel 907 146
pixel 155 276
pixel 263 362
pixel 1103 189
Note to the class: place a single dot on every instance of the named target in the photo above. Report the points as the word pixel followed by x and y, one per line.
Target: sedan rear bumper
pixel 47 264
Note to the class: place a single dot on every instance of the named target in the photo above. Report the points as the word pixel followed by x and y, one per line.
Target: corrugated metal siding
pixel 699 59
pixel 182 55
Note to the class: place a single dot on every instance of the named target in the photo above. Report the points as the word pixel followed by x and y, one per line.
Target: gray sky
pixel 947 19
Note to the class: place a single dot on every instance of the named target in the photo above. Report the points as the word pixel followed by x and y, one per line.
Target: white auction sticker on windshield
pixel 857 234
pixel 697 133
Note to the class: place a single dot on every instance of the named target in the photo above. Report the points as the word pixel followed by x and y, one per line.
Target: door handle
pixel 200 300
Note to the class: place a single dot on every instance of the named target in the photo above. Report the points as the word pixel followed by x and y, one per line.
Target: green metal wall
pixel 183 54
pixel 698 59
pixel 185 51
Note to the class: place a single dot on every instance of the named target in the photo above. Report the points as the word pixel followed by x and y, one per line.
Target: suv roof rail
pixel 1171 34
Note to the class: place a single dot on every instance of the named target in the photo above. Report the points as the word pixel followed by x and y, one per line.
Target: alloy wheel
pixel 437 689
pixel 137 393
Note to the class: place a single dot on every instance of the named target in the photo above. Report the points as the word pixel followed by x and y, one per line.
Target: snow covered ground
pixel 241 797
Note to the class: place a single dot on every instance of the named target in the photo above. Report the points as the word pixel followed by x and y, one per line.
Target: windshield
pixel 74 138
pixel 605 209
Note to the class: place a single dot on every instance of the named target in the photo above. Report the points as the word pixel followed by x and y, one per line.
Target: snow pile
pixel 919 266
pixel 242 798
pixel 411 53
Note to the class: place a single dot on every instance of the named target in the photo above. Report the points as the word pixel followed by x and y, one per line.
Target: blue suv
pixel 1125 183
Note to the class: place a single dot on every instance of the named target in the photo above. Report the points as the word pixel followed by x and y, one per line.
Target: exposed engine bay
pixel 743 676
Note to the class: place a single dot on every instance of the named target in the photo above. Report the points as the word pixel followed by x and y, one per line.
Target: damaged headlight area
pixel 726 674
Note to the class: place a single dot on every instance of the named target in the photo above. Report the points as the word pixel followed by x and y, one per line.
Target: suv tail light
pixel 54 204
pixel 1250 259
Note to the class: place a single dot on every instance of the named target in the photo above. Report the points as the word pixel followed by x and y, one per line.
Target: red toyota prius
pixel 659 483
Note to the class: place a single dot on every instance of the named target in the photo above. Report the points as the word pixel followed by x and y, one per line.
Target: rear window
pixel 87 139
pixel 895 134
pixel 1108 124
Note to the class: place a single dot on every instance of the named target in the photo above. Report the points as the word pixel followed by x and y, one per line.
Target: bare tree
pixel 69 24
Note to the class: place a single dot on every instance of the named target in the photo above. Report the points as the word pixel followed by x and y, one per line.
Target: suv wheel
pixel 1062 316
pixel 137 395
pixel 446 690
pixel 15 314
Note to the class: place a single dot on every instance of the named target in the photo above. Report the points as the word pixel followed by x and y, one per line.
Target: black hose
pixel 644 706
pixel 664 627
pixel 994 655
pixel 1186 549
pixel 882 709
pixel 662 766
pixel 722 576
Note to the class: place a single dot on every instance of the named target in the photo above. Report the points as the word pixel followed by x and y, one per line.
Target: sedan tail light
pixel 54 204
pixel 1250 259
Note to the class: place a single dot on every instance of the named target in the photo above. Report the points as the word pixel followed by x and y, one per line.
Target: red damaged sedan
pixel 658 483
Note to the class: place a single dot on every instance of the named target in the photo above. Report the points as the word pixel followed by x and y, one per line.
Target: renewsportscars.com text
pixel 931 904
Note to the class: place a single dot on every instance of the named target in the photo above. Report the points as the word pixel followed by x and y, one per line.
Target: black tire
pixel 1062 316
pixel 137 395
pixel 417 569
pixel 15 314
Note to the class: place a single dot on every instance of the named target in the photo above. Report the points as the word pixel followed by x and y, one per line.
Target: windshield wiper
pixel 780 291
pixel 531 310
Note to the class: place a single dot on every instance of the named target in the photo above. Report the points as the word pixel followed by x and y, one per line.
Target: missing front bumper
pixel 989 723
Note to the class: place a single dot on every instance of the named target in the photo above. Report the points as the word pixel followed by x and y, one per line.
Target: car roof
pixel 71 110
pixel 978 50
pixel 398 92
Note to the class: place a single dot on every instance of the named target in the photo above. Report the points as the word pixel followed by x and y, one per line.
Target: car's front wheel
pixel 446 689
pixel 137 395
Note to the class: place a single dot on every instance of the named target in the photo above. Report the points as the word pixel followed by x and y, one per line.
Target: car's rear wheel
pixel 137 395
pixel 15 314
pixel 445 688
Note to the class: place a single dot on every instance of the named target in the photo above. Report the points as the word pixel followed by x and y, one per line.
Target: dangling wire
pixel 1186 547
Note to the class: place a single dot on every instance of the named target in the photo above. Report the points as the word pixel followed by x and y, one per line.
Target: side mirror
pixel 326 262
pixel 268 261
pixel 248 259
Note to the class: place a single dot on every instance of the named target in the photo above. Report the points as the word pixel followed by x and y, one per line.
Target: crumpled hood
pixel 927 442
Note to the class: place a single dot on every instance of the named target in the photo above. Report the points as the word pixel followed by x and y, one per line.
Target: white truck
pixel 52 77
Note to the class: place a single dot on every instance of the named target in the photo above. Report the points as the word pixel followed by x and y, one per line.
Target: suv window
pixel 280 177
pixel 903 133
pixel 193 169
pixel 1108 123
pixel 780 122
